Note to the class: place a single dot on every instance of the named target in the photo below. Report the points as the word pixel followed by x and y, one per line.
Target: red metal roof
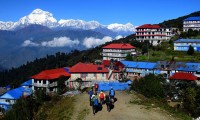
pixel 149 26
pixel 152 35
pixel 119 46
pixel 183 76
pixel 51 74
pixel 88 68
pixel 116 63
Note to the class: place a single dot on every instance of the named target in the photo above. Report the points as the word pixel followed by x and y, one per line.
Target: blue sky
pixel 106 12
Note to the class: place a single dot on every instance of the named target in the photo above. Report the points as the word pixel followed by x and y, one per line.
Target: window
pixel 94 74
pixel 35 81
pixel 44 82
pixel 7 100
pixel 102 74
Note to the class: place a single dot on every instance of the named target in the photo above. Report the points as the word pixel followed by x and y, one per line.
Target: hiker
pixel 108 103
pixel 101 97
pixel 93 89
pixel 90 96
pixel 95 103
pixel 96 87
pixel 112 94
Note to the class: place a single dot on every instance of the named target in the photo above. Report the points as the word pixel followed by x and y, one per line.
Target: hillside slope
pixel 122 110
pixel 178 22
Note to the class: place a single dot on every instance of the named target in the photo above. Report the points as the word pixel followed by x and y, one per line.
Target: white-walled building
pixel 48 79
pixel 117 51
pixel 191 23
pixel 152 33
pixel 91 73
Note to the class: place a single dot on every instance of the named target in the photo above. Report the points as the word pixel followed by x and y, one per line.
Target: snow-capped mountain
pixel 46 18
pixel 121 27
pixel 80 24
pixel 6 25
pixel 38 16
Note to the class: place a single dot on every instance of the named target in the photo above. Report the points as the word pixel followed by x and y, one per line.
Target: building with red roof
pixel 118 51
pixel 91 73
pixel 183 76
pixel 153 33
pixel 48 79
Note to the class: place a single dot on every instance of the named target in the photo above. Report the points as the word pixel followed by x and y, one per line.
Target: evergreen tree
pixel 150 86
pixel 190 50
pixel 129 57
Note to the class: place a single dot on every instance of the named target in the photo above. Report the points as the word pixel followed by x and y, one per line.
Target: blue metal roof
pixel 197 18
pixel 66 69
pixel 27 83
pixel 189 66
pixel 187 41
pixel 16 93
pixel 141 65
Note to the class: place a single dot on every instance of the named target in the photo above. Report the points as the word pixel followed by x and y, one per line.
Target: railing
pixel 45 85
pixel 40 85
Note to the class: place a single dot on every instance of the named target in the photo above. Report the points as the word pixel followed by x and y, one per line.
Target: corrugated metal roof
pixel 197 18
pixel 119 46
pixel 16 93
pixel 27 83
pixel 88 68
pixel 141 65
pixel 183 76
pixel 149 26
pixel 52 74
pixel 189 67
pixel 187 41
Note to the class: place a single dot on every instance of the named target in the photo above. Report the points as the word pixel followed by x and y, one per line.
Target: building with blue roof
pixel 10 97
pixel 138 69
pixel 191 23
pixel 183 44
pixel 27 83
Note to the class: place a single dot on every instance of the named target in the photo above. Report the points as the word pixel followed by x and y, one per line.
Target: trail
pixel 122 110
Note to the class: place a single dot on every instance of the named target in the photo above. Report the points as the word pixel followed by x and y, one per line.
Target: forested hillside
pixel 178 22
pixel 16 76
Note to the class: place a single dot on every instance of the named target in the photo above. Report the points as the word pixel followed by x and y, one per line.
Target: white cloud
pixel 60 42
pixel 56 42
pixel 92 42
pixel 118 37
pixel 29 43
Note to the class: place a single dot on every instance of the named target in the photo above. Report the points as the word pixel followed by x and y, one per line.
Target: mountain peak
pixel 38 11
pixel 45 18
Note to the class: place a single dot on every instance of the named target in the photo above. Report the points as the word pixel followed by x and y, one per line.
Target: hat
pixel 93 95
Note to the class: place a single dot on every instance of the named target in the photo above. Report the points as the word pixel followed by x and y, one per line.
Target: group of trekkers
pixel 97 101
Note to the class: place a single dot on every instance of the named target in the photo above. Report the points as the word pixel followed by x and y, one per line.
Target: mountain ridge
pixel 46 18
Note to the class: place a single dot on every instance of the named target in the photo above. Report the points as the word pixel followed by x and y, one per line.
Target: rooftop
pixel 88 68
pixel 136 64
pixel 187 41
pixel 196 18
pixel 149 26
pixel 52 74
pixel 119 46
pixel 183 76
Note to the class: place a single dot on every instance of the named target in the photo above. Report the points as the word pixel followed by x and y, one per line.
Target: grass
pixel 59 109
pixel 82 114
pixel 162 104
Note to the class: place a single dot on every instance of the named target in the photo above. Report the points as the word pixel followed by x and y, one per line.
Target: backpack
pixel 96 103
pixel 112 92
pixel 96 86
pixel 101 96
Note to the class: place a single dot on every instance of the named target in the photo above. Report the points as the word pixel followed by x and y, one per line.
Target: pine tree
pixel 190 50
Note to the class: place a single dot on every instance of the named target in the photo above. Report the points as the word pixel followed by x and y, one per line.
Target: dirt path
pixel 123 110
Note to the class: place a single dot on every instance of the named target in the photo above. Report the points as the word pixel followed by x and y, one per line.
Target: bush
pixel 150 86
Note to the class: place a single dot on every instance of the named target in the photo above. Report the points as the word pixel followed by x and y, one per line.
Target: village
pixel 113 70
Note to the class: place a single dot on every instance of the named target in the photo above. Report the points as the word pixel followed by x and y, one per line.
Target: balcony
pixel 45 85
